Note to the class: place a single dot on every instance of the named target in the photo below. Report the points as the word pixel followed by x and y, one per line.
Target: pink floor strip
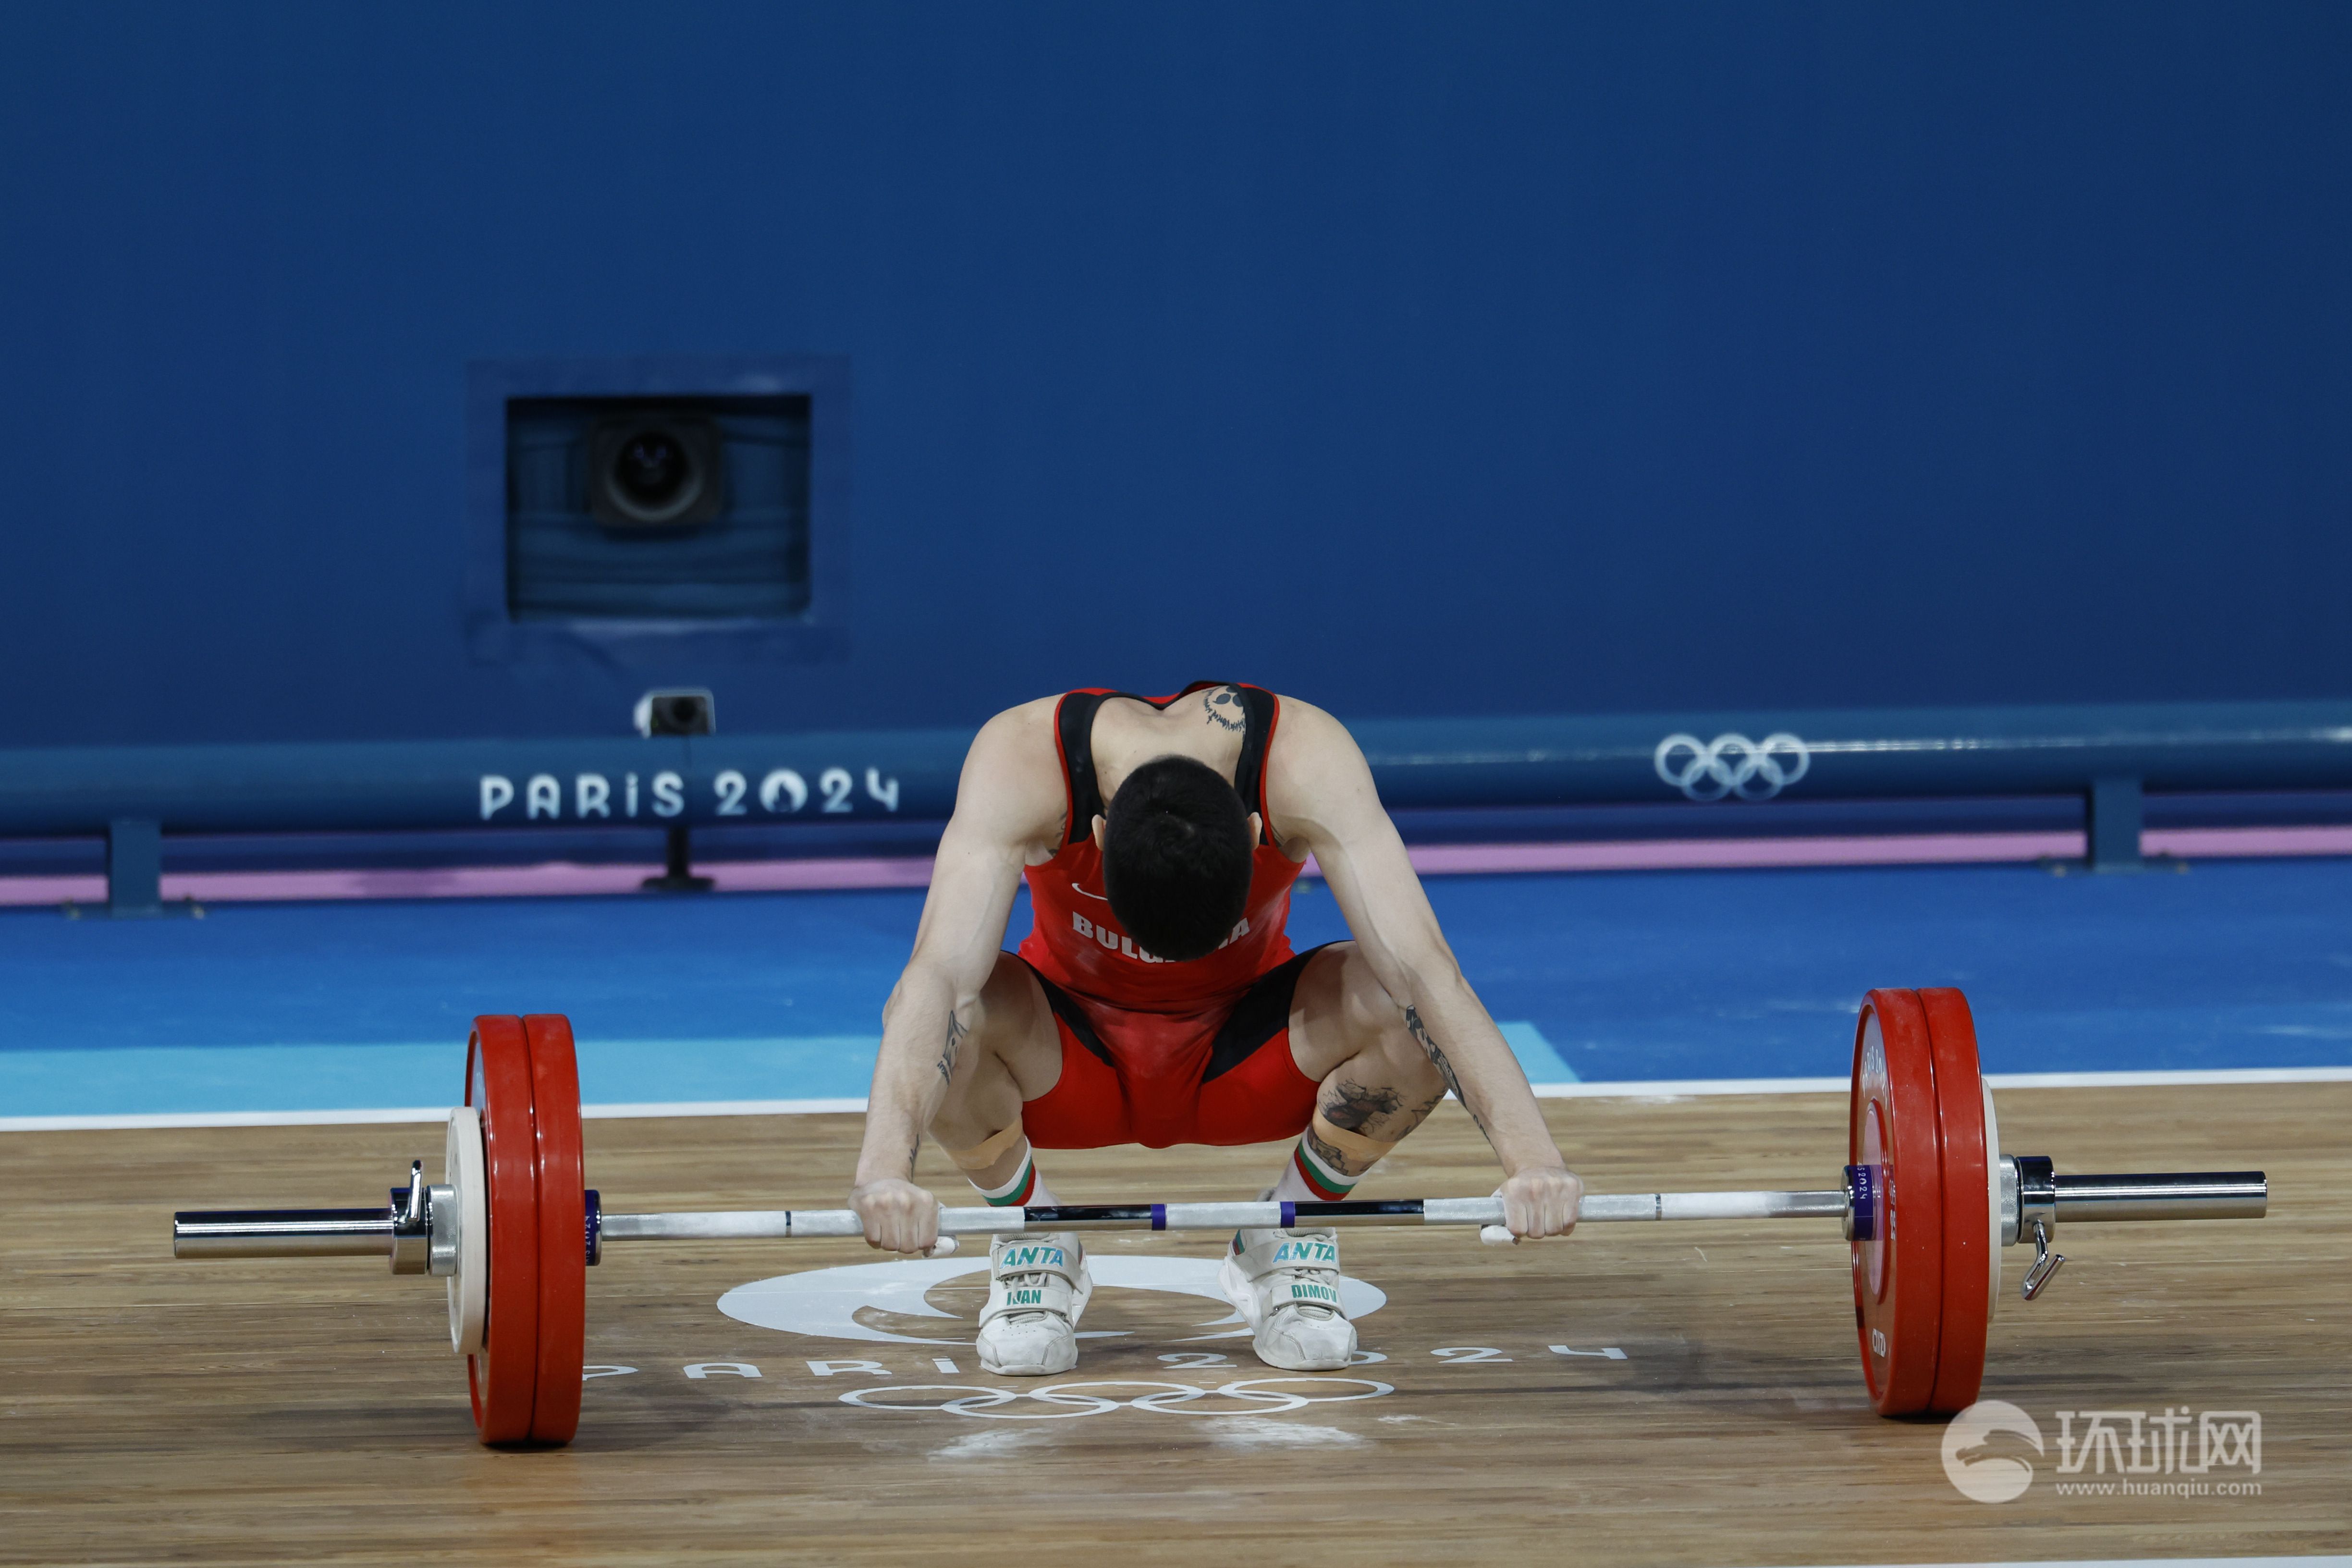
pixel 564 879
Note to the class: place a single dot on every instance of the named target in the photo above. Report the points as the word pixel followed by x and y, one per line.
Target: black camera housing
pixel 657 511
pixel 681 711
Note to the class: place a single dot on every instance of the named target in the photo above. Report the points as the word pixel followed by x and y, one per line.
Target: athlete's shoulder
pixel 1307 733
pixel 1013 773
pixel 1018 742
pixel 1317 786
pixel 1022 721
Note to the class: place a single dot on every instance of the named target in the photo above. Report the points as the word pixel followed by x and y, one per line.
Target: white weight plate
pixel 469 1287
pixel 1994 1166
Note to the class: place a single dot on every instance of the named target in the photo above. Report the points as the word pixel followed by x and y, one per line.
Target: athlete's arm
pixel 1008 809
pixel 1320 793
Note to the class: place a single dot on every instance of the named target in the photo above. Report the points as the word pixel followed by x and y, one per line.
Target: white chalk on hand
pixel 1497 1236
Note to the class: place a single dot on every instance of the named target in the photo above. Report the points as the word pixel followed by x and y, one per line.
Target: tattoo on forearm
pixel 1223 707
pixel 1445 1069
pixel 948 1053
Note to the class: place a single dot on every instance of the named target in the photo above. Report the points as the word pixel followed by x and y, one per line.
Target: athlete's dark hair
pixel 1177 857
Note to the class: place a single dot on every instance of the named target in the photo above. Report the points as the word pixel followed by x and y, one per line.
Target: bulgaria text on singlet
pixel 1077 943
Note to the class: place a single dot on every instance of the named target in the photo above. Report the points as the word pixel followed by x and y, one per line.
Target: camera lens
pixel 651 469
pixel 654 469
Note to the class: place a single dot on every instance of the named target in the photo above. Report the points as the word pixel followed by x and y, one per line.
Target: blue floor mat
pixel 1633 976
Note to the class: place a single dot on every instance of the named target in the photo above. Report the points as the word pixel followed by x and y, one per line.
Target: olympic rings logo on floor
pixel 1732 764
pixel 1066 1400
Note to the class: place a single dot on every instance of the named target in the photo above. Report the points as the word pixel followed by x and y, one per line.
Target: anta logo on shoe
pixel 1034 1257
pixel 1119 943
pixel 1321 1252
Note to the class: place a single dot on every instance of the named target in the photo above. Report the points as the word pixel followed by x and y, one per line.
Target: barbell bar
pixel 379 1233
pixel 1926 1203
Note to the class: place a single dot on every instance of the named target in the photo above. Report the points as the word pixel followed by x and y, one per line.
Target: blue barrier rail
pixel 2109 754
pixel 384 784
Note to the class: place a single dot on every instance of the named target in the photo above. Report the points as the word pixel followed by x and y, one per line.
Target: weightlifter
pixel 1156 1000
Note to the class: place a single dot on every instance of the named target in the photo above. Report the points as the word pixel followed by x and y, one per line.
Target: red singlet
pixel 1155 1051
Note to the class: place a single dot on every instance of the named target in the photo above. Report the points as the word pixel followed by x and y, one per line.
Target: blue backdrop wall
pixel 1414 358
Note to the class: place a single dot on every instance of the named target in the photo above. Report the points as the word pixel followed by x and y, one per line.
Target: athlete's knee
pixel 997 1018
pixel 1339 983
pixel 1013 1029
pixel 1372 1014
pixel 1011 986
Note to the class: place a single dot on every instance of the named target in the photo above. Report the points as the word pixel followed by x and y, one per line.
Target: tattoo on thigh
pixel 1445 1068
pixel 948 1053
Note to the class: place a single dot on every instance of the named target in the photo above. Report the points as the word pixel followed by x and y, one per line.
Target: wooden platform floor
pixel 309 1412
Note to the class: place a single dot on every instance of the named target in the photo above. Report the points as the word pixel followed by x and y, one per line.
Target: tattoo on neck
pixel 1445 1069
pixel 956 1033
pixel 1223 707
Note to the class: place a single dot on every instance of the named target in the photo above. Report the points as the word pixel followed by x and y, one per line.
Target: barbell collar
pixel 2037 1193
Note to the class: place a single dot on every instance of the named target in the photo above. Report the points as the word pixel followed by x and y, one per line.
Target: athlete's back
pixel 1077 943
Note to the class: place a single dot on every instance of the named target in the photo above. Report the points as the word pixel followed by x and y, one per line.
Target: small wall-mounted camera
pixel 664 509
pixel 651 469
pixel 687 711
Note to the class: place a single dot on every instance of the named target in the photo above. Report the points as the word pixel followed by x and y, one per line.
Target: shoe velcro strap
pixel 1301 1288
pixel 1309 1249
pixel 1041 1291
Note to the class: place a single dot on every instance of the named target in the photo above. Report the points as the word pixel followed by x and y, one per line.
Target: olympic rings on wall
pixel 1732 764
pixel 1067 1400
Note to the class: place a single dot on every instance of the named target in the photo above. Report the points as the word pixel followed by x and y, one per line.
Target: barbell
pixel 1928 1203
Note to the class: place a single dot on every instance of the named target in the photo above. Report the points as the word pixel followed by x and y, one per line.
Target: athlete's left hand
pixel 1541 1201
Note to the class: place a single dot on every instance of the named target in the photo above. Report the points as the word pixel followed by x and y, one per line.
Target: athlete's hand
pixel 1540 1202
pixel 899 1216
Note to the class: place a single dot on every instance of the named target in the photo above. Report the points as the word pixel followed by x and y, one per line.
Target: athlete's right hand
pixel 899 1216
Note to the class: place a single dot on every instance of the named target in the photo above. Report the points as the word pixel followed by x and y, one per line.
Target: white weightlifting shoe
pixel 1037 1290
pixel 1287 1285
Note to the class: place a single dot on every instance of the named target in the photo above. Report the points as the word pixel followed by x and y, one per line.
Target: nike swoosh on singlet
pixel 1083 893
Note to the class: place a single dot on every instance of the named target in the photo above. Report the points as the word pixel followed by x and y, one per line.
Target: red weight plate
pixel 503 1375
pixel 1967 1221
pixel 563 1229
pixel 1898 1254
